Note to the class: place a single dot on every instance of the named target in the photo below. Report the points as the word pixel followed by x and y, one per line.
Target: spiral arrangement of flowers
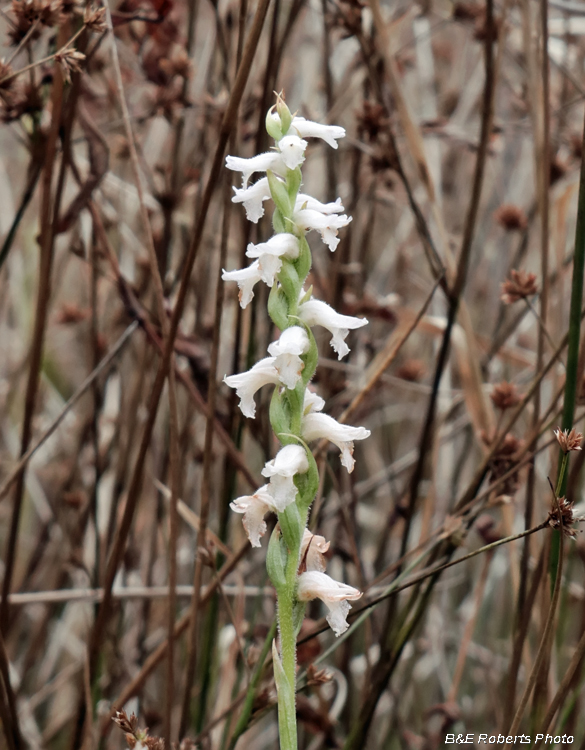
pixel 295 557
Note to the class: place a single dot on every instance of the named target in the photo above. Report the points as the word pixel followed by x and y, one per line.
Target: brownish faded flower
pixel 24 100
pixel 95 19
pixel 505 458
pixel 511 217
pixel 505 395
pixel 520 286
pixel 70 61
pixel 25 13
pixel 569 441
pixel 566 516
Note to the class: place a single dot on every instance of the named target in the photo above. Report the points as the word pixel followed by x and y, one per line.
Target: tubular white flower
pixel 292 149
pixel 270 254
pixel 316 426
pixel 307 129
pixel 253 197
pixel 326 224
pixel 289 461
pixel 307 201
pixel 317 313
pixel 247 383
pixel 312 402
pixel 313 549
pixel 246 278
pixel 336 596
pixel 260 163
pixel 254 508
pixel 287 351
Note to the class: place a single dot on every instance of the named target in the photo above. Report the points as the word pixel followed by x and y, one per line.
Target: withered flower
pixel 505 458
pixel 95 19
pixel 505 395
pixel 520 286
pixel 25 13
pixel 511 217
pixel 569 441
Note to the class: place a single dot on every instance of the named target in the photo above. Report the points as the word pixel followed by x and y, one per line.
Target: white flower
pixel 287 351
pixel 253 197
pixel 326 224
pixel 289 461
pixel 247 383
pixel 307 129
pixel 254 507
pixel 270 254
pixel 312 402
pixel 292 149
pixel 336 596
pixel 307 201
pixel 259 163
pixel 317 313
pixel 247 278
pixel 316 426
pixel 313 549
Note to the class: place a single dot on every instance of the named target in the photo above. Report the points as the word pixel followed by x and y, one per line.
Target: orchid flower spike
pixel 336 596
pixel 313 312
pixel 326 224
pixel 292 149
pixel 254 508
pixel 253 198
pixel 287 352
pixel 247 383
pixel 290 460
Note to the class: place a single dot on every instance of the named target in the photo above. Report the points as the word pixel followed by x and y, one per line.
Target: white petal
pixel 259 163
pixel 283 491
pixel 313 549
pixel 253 197
pixel 293 343
pixel 289 461
pixel 307 129
pixel 246 278
pixel 269 267
pixel 247 383
pixel 254 507
pixel 292 149
pixel 335 595
pixel 313 402
pixel 316 426
pixel 280 244
pixel 306 201
pixel 317 313
pixel 326 224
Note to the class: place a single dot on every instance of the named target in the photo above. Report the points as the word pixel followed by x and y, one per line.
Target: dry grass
pixel 115 222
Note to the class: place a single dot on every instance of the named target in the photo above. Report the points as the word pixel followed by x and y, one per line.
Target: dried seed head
pixel 70 61
pixel 25 13
pixel 511 217
pixel 566 516
pixel 26 100
pixel 569 441
pixel 505 395
pixel 95 19
pixel 520 286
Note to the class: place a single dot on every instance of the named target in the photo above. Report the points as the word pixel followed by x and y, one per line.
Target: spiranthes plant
pixel 295 557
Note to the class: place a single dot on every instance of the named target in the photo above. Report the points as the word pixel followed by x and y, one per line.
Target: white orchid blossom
pixel 316 426
pixel 307 129
pixel 254 508
pixel 326 224
pixel 253 197
pixel 312 402
pixel 260 163
pixel 313 550
pixel 313 312
pixel 290 460
pixel 336 597
pixel 307 201
pixel 287 351
pixel 292 149
pixel 270 254
pixel 246 278
pixel 247 383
